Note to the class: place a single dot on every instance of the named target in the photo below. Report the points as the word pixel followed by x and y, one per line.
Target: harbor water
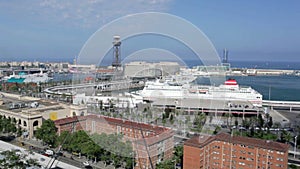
pixel 271 87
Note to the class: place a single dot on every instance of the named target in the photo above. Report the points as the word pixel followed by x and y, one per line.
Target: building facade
pixel 151 144
pixel 234 152
pixel 146 69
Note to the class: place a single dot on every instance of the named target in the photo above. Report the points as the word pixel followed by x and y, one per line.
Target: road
pixel 43 160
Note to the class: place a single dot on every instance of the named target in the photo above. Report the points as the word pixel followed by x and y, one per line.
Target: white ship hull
pixel 153 90
pixel 30 78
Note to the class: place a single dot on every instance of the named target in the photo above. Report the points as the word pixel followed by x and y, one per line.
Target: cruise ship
pixel 229 91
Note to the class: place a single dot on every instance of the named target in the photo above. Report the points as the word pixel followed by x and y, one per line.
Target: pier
pixel 291 105
pixel 93 87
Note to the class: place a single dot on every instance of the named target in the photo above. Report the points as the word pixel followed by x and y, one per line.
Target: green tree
pixel 199 121
pixel 178 155
pixel 252 132
pixel 16 161
pixel 270 122
pixel 112 149
pixel 260 121
pixel 168 110
pixel 163 116
pixel 164 121
pixel 172 119
pixel 90 149
pixel 64 140
pixel 228 116
pixel 217 130
pixel 236 122
pixel 293 166
pixel 166 164
pixel 7 125
pixel 78 139
pixel 286 136
pixel 100 105
pixel 47 132
pixel 246 123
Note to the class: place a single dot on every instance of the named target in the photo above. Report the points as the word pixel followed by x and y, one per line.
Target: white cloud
pixel 81 13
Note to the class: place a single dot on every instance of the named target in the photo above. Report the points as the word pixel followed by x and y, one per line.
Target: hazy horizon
pixel 57 30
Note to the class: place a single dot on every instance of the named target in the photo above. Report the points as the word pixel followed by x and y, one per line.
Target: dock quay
pixel 290 105
pixel 193 105
pixel 93 87
pixel 269 72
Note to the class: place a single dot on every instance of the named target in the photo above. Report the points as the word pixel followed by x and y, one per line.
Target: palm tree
pixel 199 121
pixel 228 116
pixel 287 137
pixel 277 126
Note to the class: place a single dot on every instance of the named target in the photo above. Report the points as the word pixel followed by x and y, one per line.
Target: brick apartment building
pixel 147 140
pixel 233 152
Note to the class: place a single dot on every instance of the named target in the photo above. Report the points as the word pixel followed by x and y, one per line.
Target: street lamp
pixel 295 147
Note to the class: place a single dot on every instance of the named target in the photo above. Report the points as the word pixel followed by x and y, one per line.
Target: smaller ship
pixel 27 78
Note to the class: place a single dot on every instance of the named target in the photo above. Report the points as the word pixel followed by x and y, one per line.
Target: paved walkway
pixel 278 117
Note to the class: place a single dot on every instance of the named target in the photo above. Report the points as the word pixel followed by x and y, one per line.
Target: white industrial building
pixel 147 69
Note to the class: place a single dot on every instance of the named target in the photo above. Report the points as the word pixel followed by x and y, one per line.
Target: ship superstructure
pixel 229 91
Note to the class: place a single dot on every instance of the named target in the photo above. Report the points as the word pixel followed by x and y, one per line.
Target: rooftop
pixel 157 130
pixel 200 141
pixel 69 120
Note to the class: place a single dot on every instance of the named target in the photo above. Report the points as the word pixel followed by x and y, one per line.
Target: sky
pixel 56 30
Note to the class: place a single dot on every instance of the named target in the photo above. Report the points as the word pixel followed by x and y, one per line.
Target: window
pixel 280 159
pixel 250 159
pixel 218 147
pixel 241 163
pixel 118 129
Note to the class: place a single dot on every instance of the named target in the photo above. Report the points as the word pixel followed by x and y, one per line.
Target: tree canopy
pixel 109 148
pixel 11 159
pixel 7 125
pixel 47 132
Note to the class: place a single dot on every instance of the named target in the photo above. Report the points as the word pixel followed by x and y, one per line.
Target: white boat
pixel 28 78
pixel 228 91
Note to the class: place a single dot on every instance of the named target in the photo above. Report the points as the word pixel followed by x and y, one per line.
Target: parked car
pixel 49 152
pixel 86 163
